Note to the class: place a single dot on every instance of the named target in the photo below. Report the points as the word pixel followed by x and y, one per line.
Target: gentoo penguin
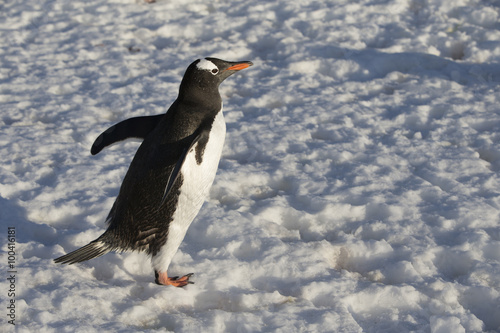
pixel 171 173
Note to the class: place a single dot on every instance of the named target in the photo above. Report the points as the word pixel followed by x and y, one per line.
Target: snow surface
pixel 358 190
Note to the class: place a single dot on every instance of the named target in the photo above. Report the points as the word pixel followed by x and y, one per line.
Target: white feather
pixel 206 65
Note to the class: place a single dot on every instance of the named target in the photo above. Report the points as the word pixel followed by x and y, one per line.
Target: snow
pixel 358 189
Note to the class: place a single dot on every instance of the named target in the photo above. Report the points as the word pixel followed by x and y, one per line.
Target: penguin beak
pixel 240 66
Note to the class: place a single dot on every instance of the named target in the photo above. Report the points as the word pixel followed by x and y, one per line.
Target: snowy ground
pixel 359 188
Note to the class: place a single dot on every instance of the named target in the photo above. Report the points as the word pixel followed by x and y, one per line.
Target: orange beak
pixel 239 67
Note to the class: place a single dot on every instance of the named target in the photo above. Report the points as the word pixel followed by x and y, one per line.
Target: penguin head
pixel 204 76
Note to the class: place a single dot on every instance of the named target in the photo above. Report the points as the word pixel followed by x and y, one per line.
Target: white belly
pixel 197 180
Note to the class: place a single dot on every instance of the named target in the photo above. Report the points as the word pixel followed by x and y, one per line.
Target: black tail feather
pixel 92 250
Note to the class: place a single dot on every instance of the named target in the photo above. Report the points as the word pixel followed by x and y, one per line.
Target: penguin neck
pixel 187 114
pixel 200 99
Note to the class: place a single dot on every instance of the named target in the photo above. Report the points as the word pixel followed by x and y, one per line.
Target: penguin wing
pixel 137 127
pixel 202 135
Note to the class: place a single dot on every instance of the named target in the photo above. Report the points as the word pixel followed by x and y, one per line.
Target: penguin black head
pixel 204 76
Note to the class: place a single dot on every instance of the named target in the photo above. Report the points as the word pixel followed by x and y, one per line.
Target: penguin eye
pixel 215 71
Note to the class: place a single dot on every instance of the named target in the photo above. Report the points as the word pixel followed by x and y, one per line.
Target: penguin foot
pixel 163 279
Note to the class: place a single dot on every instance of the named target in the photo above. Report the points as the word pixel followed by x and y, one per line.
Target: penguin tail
pixel 92 250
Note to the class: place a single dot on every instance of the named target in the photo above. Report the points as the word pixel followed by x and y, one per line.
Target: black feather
pixel 92 250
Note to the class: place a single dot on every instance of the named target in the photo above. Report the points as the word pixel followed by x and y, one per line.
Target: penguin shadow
pixel 112 270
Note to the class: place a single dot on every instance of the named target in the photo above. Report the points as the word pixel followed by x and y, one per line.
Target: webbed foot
pixel 162 278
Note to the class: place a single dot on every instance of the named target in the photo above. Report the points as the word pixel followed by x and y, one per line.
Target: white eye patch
pixel 207 65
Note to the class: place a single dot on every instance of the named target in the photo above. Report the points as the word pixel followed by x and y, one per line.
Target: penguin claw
pixel 163 279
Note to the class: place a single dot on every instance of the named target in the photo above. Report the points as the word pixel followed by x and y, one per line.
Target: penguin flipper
pixel 175 171
pixel 92 250
pixel 137 127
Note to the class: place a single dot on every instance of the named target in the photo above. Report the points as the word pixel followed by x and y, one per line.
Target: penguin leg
pixel 162 278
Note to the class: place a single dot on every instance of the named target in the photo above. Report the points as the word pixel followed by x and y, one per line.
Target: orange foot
pixel 163 279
